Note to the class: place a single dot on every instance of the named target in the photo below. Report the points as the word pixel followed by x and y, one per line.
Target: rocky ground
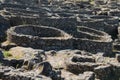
pixel 59 40
pixel 35 64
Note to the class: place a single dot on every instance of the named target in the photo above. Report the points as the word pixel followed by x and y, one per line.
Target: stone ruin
pixel 99 41
pixel 104 23
pixel 49 38
pixel 80 63
pixel 42 37
pixel 59 40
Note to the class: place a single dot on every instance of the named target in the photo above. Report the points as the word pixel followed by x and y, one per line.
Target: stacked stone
pixel 40 37
pixel 44 38
pixel 4 25
pixel 91 28
pixel 93 40
pixel 36 3
pixel 96 69
pixel 104 23
pixel 116 44
pixel 30 66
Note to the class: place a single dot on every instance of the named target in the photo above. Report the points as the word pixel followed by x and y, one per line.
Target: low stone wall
pixel 106 19
pixel 93 46
pixel 22 11
pixel 41 16
pixel 102 68
pixel 31 3
pixel 19 6
pixel 66 24
pixel 49 38
pixel 116 45
pixel 4 25
pixel 89 33
pixel 44 40
pixel 92 40
pixel 27 10
pixel 101 17
pixel 115 13
pixel 118 33
pixel 107 25
pixel 22 20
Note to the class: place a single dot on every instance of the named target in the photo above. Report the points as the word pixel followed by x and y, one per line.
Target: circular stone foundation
pixel 40 37
pixel 93 41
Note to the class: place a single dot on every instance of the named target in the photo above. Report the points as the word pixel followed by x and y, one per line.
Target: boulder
pixel 118 57
pixel 103 72
pixel 43 68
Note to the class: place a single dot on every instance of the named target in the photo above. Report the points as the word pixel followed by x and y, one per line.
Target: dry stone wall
pixel 65 30
pixel 39 37
pixel 51 38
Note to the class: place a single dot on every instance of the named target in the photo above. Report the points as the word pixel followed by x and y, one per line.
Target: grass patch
pixel 7 54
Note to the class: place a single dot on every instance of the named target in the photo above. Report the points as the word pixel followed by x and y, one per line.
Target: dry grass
pixel 7 54
pixel 17 54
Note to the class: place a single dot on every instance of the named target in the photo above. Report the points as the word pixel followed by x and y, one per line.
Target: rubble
pixel 59 40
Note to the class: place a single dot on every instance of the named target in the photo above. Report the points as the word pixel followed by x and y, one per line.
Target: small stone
pixel 89 75
pixel 44 68
pixel 118 57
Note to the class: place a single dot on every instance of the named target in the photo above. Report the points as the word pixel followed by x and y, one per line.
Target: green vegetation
pixel 6 54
